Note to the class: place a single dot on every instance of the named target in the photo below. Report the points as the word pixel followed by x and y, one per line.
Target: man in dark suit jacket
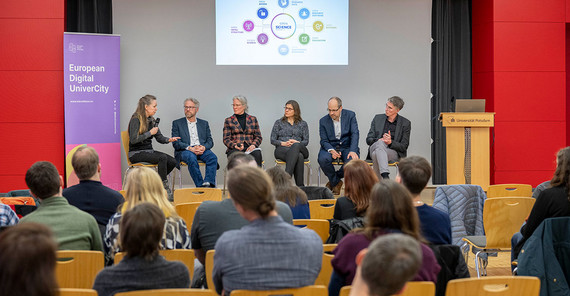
pixel 389 137
pixel 339 140
pixel 195 144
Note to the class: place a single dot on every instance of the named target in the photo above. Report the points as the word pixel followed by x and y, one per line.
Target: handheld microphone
pixel 156 122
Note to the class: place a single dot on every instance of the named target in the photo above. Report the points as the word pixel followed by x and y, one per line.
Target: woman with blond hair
pixel 142 128
pixel 359 179
pixel 144 185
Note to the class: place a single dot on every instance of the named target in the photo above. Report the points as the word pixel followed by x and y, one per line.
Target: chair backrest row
pixel 183 255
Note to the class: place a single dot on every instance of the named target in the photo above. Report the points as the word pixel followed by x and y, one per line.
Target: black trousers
pixel 294 158
pixel 166 163
pixel 256 154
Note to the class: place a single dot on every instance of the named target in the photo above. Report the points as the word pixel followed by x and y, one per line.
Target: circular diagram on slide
pixel 283 26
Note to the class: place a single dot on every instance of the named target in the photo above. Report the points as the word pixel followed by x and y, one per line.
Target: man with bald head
pixel 90 195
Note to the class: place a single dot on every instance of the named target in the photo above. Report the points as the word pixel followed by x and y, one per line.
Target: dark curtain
pixel 450 71
pixel 89 16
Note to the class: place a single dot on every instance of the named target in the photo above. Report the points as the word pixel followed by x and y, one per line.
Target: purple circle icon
pixel 248 26
pixel 262 38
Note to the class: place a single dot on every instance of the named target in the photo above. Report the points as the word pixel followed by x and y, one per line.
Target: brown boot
pixel 337 188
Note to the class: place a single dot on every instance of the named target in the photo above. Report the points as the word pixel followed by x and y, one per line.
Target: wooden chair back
pixel 322 208
pixel 209 268
pixel 169 292
pixel 187 211
pixel 504 190
pixel 326 270
pixel 187 195
pixel 503 217
pixel 329 247
pixel 77 269
pixel 77 292
pixel 304 291
pixel 494 286
pixel 418 289
pixel 344 291
pixel 183 255
pixel 320 226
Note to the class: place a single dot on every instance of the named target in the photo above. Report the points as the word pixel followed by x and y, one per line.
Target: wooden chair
pixel 320 226
pixel 494 286
pixel 125 140
pixel 209 269
pixel 183 255
pixel 183 164
pixel 322 208
pixel 77 292
pixel 329 247
pixel 505 190
pixel 186 195
pixel 339 162
pixel 77 269
pixel 169 292
pixel 502 217
pixel 304 291
pixel 418 289
pixel 307 164
pixel 344 291
pixel 187 212
pixel 326 270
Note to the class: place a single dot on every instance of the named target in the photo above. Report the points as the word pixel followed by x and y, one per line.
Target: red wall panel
pixel 530 10
pixel 529 46
pixel 530 96
pixel 32 9
pixel 483 88
pixel 482 11
pixel 527 146
pixel 482 53
pixel 31 44
pixel 27 92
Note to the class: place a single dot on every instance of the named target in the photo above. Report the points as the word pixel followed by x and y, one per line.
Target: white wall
pixel 168 50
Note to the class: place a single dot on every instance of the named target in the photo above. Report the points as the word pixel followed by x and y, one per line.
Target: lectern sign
pixel 468 119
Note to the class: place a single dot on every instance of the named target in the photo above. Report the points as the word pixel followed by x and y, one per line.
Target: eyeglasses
pixel 236 105
pixel 288 109
pixel 333 110
pixel 189 107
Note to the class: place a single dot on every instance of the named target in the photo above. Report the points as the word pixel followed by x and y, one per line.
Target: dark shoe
pixel 385 175
pixel 168 191
pixel 337 188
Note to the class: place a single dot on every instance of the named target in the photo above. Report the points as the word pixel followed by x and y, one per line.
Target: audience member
pixel 552 202
pixel 359 179
pixel 288 193
pixel 208 224
pixel 90 195
pixel 267 253
pixel 142 268
pixel 73 228
pixel 388 137
pixel 386 265
pixel 143 185
pixel 290 136
pixel 339 141
pixel 241 131
pixel 195 144
pixel 7 216
pixel 414 173
pixel 142 128
pixel 390 211
pixel 27 260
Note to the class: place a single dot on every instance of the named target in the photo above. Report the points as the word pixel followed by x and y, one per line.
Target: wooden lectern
pixel 467 147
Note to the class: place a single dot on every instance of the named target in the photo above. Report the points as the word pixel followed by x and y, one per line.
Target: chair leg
pixel 465 250
pixel 477 264
pixel 308 174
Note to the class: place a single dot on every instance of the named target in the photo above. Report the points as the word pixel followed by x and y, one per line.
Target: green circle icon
pixel 304 39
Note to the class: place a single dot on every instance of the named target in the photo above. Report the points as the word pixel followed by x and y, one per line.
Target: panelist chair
pixel 339 162
pixel 126 141
pixel 307 164
pixel 183 164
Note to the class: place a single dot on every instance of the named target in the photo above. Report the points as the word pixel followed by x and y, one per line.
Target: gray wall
pixel 168 50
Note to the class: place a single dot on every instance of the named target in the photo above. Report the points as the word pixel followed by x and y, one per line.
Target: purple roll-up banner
pixel 91 76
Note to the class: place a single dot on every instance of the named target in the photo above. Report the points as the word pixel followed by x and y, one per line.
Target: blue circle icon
pixel 304 13
pixel 283 3
pixel 262 13
pixel 283 49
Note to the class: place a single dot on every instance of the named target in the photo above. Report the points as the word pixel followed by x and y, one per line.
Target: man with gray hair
pixel 195 144
pixel 388 137
pixel 90 195
pixel 386 265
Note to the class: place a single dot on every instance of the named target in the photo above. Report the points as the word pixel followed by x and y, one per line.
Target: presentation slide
pixel 282 32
